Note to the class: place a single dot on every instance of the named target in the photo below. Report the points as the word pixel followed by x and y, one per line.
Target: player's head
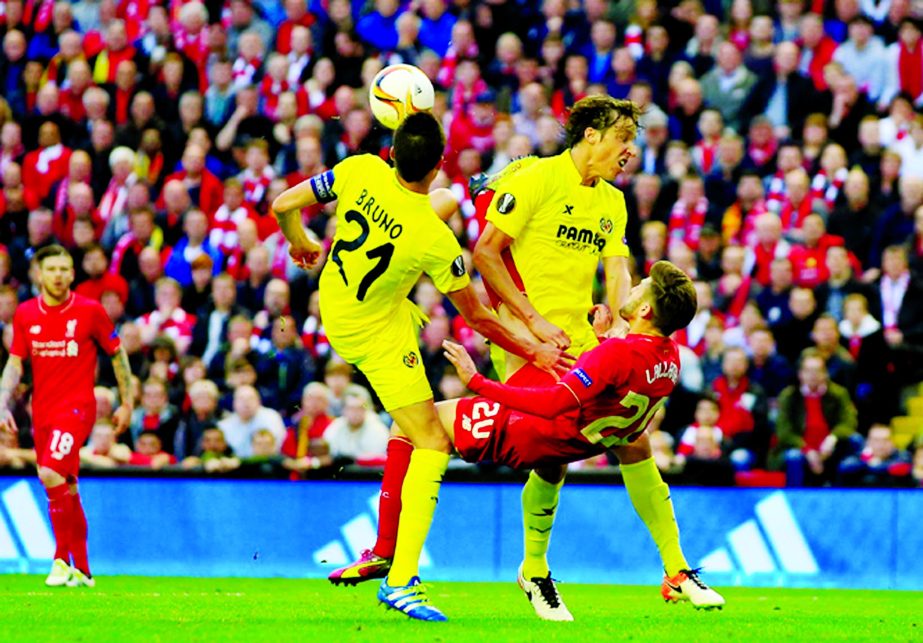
pixel 667 299
pixel 56 270
pixel 418 145
pixel 606 127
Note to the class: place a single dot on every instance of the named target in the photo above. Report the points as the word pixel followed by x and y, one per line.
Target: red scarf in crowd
pixel 827 189
pixel 686 226
pixel 910 70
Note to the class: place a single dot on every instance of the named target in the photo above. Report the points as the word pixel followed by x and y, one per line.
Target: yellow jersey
pixel 386 237
pixel 560 229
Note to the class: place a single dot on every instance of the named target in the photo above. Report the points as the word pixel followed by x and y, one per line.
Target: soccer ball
pixel 399 90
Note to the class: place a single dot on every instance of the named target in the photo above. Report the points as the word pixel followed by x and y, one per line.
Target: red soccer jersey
pixel 61 342
pixel 606 401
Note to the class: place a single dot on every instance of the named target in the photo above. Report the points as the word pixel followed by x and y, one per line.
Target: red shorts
pixel 58 443
pixel 481 203
pixel 488 431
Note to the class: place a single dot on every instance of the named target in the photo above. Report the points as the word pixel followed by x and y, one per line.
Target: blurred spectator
pixel 310 422
pixel 285 364
pixel 202 414
pixel 103 451
pixel 767 368
pixel 337 377
pixel 841 367
pixel 149 452
pixel 264 459
pixel 743 411
pixel 840 283
pixel 880 463
pixel 815 427
pixel 793 335
pixel 729 84
pixel 359 434
pixel 168 318
pixel 99 279
pixel 250 416
pixel 863 57
pixel 212 453
pixel 155 414
pixel 190 247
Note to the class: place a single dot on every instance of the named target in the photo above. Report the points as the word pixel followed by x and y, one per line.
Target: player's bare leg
pixel 402 589
pixel 650 497
pixel 59 512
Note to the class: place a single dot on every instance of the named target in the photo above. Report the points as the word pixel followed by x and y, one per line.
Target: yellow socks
pixel 418 504
pixel 539 504
pixel 651 498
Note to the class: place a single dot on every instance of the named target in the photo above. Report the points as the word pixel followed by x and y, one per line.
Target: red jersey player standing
pixel 606 401
pixel 60 331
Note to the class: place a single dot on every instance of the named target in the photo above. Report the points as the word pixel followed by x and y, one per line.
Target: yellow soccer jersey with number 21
pixel 386 237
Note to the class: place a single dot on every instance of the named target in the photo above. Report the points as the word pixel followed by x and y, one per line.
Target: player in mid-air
pixel 59 331
pixel 606 401
pixel 387 236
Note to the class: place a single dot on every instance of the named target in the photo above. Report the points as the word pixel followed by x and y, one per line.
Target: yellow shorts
pixel 389 356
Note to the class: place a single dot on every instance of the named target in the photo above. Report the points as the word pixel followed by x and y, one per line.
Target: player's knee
pixel 50 478
pixel 635 452
pixel 552 474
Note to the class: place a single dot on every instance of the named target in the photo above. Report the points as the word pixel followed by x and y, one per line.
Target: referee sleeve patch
pixel 458 266
pixel 322 184
pixel 505 203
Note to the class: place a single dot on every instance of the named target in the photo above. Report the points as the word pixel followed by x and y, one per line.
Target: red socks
pixel 78 544
pixel 59 510
pixel 389 503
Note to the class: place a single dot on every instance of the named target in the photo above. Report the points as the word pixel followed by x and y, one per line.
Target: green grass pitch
pixel 238 609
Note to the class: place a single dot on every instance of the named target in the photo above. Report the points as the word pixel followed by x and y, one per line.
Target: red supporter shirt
pixel 61 341
pixel 606 401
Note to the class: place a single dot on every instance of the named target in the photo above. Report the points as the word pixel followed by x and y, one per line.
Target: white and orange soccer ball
pixel 399 90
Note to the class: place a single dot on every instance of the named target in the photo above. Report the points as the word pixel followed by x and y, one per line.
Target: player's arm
pixel 618 283
pixel 287 207
pixel 122 367
pixel 9 381
pixel 488 259
pixel 543 401
pixel 544 355
pixel 444 203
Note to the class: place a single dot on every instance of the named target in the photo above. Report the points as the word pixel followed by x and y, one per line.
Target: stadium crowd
pixel 780 164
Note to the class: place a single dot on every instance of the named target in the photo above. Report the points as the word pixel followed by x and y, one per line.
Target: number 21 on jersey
pixel 382 254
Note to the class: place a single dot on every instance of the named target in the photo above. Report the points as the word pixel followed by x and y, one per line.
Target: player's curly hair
pixel 599 112
pixel 673 297
pixel 418 145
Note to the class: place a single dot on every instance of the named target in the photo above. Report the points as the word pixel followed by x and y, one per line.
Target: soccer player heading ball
pixel 59 332
pixel 387 236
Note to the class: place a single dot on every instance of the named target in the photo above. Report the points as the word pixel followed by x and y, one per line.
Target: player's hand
pixel 460 358
pixel 545 331
pixel 619 328
pixel 602 319
pixel 121 419
pixel 8 423
pixel 306 254
pixel 549 357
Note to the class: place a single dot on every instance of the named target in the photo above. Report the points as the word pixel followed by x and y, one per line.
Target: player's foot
pixel 79 579
pixel 544 596
pixel 687 586
pixel 59 575
pixel 368 566
pixel 411 599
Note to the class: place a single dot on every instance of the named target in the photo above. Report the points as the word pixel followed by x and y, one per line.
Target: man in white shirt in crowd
pixel 250 416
